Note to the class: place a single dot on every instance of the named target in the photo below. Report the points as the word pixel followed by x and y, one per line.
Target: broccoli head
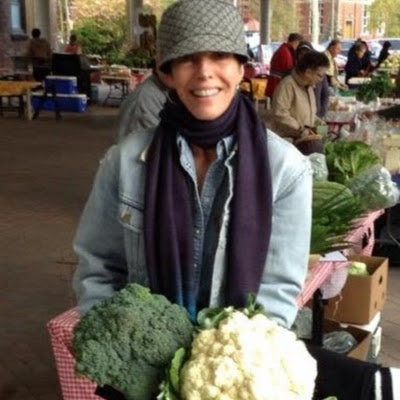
pixel 128 340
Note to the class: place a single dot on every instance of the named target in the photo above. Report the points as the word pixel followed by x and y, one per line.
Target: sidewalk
pixel 46 170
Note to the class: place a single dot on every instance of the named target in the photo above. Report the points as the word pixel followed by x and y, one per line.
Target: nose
pixel 203 65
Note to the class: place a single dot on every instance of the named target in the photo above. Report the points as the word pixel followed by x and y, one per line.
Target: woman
pixel 209 206
pixel 73 47
pixel 356 66
pixel 321 89
pixel 384 53
pixel 294 110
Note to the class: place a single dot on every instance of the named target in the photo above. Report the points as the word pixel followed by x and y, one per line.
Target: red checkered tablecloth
pixel 365 229
pixel 61 331
pixel 61 327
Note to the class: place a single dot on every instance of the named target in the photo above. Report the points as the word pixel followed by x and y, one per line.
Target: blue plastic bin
pixel 66 102
pixel 62 84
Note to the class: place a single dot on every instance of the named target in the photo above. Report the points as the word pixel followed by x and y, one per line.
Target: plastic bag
pixel 375 188
pixel 339 341
pixel 302 325
pixel 319 167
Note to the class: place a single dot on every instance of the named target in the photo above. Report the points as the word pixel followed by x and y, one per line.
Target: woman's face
pixel 313 77
pixel 206 82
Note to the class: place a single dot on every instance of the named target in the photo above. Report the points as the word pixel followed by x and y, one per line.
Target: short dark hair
pixel 387 44
pixel 303 47
pixel 312 60
pixel 73 38
pixel 295 36
pixel 359 45
pixel 333 43
pixel 36 33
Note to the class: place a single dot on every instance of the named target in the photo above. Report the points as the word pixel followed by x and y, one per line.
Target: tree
pixel 102 27
pixel 388 12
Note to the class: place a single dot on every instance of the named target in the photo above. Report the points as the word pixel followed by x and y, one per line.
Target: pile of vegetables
pixel 356 184
pixel 356 165
pixel 379 86
pixel 141 344
pixel 346 159
pixel 335 211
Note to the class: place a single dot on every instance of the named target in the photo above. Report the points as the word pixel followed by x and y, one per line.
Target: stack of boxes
pixel 360 303
pixel 65 88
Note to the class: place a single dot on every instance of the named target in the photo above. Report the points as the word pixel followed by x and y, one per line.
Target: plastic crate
pixel 66 102
pixel 62 84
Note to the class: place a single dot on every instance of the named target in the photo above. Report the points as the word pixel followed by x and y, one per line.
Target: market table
pixel 18 89
pixel 61 327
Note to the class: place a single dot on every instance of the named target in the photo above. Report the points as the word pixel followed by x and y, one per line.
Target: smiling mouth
pixel 205 92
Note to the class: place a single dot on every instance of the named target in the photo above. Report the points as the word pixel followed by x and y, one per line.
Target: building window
pixel 365 19
pixel 321 16
pixel 18 22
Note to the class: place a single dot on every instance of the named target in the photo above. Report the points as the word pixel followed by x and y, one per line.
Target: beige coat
pixel 293 107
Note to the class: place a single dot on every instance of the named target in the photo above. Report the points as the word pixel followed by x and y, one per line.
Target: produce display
pixel 379 86
pixel 146 347
pixel 346 159
pixel 334 213
pixel 392 63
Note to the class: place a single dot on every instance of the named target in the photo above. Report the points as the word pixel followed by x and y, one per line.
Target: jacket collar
pixel 299 80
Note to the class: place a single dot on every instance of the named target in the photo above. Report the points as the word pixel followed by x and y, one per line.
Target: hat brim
pixel 202 43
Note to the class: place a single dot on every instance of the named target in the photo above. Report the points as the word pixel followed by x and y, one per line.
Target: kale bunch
pixel 128 340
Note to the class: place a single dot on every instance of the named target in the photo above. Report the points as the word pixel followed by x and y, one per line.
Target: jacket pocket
pixel 131 218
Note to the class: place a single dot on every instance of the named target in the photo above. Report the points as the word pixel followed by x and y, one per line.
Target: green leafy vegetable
pixel 346 159
pixel 334 212
pixel 378 86
pixel 127 341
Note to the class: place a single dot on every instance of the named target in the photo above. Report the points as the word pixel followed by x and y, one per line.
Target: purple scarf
pixel 168 215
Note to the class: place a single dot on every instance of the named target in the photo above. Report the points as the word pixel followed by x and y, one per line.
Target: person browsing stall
pixel 294 110
pixel 321 89
pixel 209 206
pixel 333 50
pixel 73 46
pixel 282 62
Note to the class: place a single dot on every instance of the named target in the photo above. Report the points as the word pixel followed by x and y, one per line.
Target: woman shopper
pixel 294 109
pixel 209 206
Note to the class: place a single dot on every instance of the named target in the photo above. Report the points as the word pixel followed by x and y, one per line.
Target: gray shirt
pixel 139 111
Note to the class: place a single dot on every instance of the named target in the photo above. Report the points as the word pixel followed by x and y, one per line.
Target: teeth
pixel 205 92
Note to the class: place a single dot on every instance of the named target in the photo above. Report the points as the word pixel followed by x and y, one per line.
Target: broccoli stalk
pixel 128 340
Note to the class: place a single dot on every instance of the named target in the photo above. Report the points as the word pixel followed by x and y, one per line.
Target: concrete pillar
pixel 134 7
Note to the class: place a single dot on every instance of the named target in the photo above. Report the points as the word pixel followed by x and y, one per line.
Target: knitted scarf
pixel 168 219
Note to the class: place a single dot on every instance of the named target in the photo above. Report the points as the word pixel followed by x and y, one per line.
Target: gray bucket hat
pixel 191 26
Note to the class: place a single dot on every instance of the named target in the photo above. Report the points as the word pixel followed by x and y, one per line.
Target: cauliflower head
pixel 248 358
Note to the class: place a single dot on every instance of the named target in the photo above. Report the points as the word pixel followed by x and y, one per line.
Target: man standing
pixel 39 54
pixel 334 48
pixel 282 62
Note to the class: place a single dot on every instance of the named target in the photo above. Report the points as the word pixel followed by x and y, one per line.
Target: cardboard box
pixel 362 296
pixel 361 350
pixel 62 84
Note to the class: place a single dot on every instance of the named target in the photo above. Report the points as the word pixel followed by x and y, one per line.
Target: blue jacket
pixel 110 239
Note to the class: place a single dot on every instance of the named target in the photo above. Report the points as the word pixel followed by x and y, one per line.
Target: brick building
pixel 17 19
pixel 347 18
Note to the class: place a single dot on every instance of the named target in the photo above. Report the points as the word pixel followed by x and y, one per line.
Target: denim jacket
pixel 110 238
